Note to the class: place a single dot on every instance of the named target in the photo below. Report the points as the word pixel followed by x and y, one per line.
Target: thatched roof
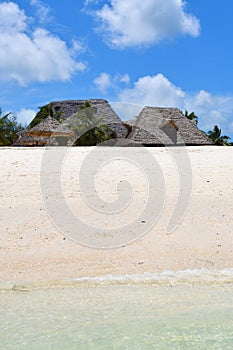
pixel 51 127
pixel 104 111
pixel 47 132
pixel 166 126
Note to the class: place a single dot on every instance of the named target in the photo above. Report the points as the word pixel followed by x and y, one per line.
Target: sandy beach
pixel 33 249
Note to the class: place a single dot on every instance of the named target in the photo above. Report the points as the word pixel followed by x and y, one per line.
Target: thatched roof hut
pixel 48 132
pixel 103 111
pixel 157 126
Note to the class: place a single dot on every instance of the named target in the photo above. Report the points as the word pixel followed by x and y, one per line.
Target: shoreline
pixel 31 248
pixel 201 277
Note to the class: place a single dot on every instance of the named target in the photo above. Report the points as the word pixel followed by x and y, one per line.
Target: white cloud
pixel 126 110
pixel 212 109
pixel 159 91
pixel 231 127
pixel 27 55
pixel 78 46
pixel 43 11
pixel 12 19
pixel 154 90
pixel 88 2
pixel 103 82
pixel 203 98
pixel 137 23
pixel 125 79
pixel 25 116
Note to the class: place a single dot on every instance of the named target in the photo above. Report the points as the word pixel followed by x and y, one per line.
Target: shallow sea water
pixel 118 316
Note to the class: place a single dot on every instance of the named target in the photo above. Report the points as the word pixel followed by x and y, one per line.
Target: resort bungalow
pixel 157 126
pixel 154 126
pixel 49 132
pixel 103 112
pixel 57 130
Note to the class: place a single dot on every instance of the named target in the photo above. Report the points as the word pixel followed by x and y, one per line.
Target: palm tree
pixel 9 127
pixel 191 116
pixel 3 139
pixel 45 112
pixel 217 138
pixel 89 129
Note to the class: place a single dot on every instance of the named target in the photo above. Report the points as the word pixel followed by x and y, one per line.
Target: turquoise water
pixel 118 316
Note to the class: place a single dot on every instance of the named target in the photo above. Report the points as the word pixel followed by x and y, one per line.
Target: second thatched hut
pixel 157 126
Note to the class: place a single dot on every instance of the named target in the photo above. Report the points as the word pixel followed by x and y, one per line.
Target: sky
pixel 171 53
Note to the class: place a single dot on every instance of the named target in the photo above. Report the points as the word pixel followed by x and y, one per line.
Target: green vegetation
pixel 216 136
pixel 191 116
pixel 48 110
pixel 45 112
pixel 86 105
pixel 89 129
pixel 95 136
pixel 9 127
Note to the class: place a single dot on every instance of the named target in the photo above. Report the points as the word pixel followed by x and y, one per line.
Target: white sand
pixel 31 248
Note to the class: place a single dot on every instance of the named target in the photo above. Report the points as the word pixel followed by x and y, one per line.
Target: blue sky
pixel 152 52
